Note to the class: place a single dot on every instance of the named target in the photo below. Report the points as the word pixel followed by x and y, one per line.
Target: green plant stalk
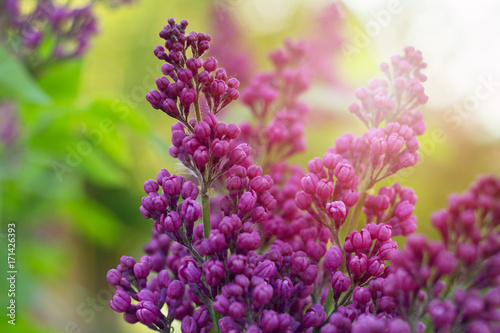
pixel 215 320
pixel 205 206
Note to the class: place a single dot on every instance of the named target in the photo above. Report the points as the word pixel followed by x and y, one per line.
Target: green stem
pixel 205 206
pixel 197 110
pixel 215 320
pixel 337 238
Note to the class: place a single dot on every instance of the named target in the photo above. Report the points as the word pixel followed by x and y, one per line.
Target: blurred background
pixel 78 138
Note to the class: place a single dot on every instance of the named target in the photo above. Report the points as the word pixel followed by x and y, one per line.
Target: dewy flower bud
pixel 188 96
pixel 340 282
pixel 166 69
pixel 141 270
pixel 233 131
pixel 376 266
pixel 176 290
pixel 151 186
pixel 270 321
pixel 249 240
pixel 331 160
pixel 219 147
pixel 232 290
pixel 300 264
pixel 164 279
pixel 361 240
pixel 189 272
pixel 324 188
pixel 309 275
pixel 259 184
pixel 237 310
pixel 189 190
pixel 344 172
pixel 333 258
pixel 127 262
pixel 172 222
pixel 147 312
pixel 315 165
pixel 336 210
pixel 238 155
pixel 395 143
pixel 184 75
pixel 233 83
pixel 247 202
pixel 114 277
pixel 221 304
pixel 210 64
pixel 189 325
pixel 121 301
pixel 218 87
pixel 205 77
pixel 154 97
pixel 147 295
pixel 283 288
pixel 190 210
pixel 259 214
pixel 202 316
pixel 358 264
pixel 262 294
pixel 194 64
pixel 303 200
pixel 314 316
pixel 265 269
pixel 308 183
pixel 202 130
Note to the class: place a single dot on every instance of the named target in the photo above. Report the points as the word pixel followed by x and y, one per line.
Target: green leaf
pixel 95 222
pixel 17 83
pixel 328 305
pixel 62 80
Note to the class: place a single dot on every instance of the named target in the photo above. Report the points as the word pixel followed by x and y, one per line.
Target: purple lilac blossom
pixel 271 258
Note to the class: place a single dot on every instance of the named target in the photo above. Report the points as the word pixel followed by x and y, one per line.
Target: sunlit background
pixel 73 179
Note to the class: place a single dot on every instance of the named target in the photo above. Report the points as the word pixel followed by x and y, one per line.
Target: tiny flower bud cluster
pixel 210 148
pixel 393 206
pixel 394 99
pixel 274 96
pixel 267 256
pixel 380 153
pixel 426 272
pixel 73 27
pixel 174 219
pixel 187 78
pixel 331 186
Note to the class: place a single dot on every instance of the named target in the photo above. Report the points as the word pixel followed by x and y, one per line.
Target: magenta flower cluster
pixel 246 241
pixel 71 28
pixel 51 31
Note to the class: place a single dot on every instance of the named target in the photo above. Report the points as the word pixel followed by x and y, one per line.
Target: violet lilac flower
pixel 240 247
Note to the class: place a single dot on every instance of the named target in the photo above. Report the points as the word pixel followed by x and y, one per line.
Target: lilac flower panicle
pixel 248 242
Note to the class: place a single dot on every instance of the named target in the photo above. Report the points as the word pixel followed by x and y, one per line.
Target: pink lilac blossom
pixel 265 253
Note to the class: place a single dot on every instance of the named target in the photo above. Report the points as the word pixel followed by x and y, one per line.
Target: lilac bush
pixel 245 241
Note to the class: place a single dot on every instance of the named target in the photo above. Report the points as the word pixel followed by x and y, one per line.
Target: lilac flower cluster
pixel 51 31
pixel 273 99
pixel 237 247
pixel 70 28
pixel 394 206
